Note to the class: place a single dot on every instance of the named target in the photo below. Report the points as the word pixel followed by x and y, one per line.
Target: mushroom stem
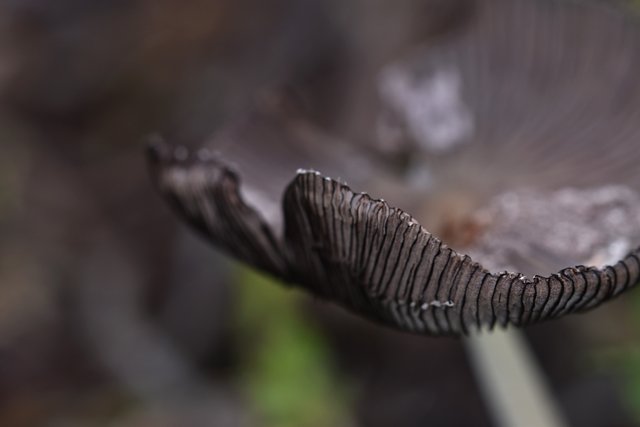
pixel 513 386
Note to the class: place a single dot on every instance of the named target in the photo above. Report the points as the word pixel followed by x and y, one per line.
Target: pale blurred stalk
pixel 511 381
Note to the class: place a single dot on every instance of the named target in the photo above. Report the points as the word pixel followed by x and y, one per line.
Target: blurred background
pixel 112 313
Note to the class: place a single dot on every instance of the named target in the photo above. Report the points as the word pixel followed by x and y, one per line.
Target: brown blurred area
pixel 111 312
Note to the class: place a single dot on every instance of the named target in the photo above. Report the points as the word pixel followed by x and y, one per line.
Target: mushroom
pixel 533 104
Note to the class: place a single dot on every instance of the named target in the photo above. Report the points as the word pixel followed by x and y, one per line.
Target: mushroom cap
pixel 527 114
pixel 372 258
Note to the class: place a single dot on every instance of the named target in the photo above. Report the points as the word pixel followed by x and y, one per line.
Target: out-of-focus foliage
pixel 625 358
pixel 631 364
pixel 286 365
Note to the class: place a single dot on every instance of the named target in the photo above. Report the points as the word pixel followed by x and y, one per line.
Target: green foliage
pixel 632 363
pixel 287 369
pixel 626 359
pixel 630 368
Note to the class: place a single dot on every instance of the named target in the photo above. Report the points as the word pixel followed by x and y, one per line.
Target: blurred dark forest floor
pixel 112 313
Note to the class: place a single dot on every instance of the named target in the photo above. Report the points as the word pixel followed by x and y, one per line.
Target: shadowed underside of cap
pixel 206 194
pixel 371 258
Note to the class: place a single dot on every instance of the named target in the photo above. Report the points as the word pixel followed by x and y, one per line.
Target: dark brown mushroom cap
pixel 546 91
pixel 370 257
